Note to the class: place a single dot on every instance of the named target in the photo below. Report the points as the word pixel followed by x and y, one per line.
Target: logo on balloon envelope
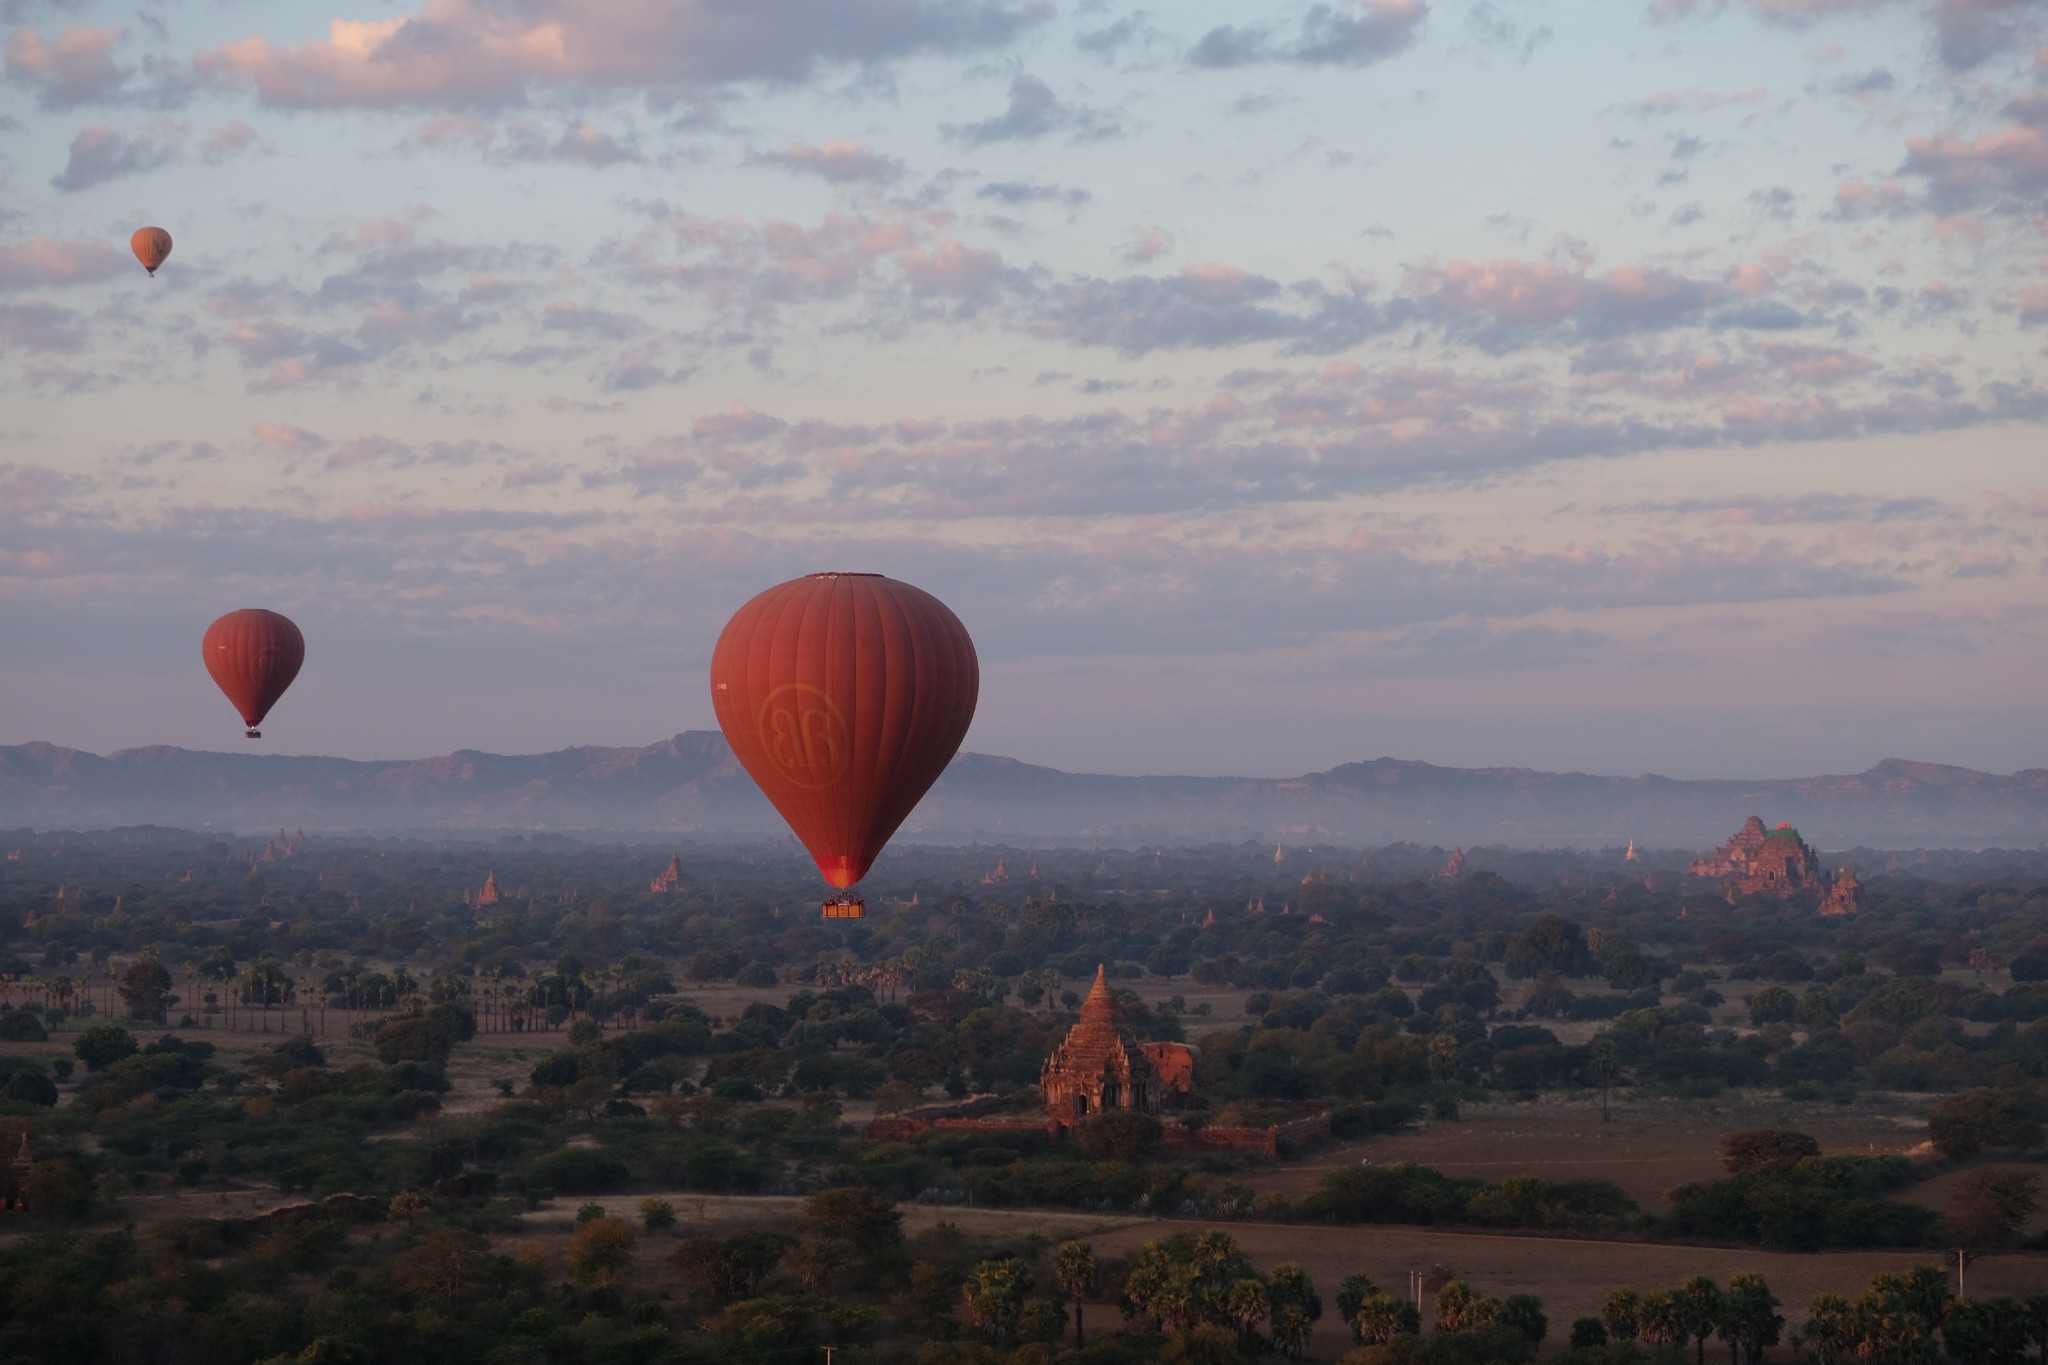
pixel 805 736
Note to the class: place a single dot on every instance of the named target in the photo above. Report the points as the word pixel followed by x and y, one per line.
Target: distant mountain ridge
pixel 691 784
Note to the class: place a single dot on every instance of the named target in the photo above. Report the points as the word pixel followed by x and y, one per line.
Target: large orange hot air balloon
pixel 844 695
pixel 253 656
pixel 150 245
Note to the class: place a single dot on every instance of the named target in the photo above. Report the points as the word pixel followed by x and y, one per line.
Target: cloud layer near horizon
pixel 1387 358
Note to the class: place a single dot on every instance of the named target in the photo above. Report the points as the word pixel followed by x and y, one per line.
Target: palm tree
pixel 1699 1303
pixel 1750 1321
pixel 1079 1276
pixel 1660 1319
pixel 1621 1313
pixel 995 1296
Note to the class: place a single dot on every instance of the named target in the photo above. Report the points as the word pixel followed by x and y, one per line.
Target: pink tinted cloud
pixel 41 262
pixel 1818 364
pixel 2033 304
pixel 1518 293
pixel 285 436
pixel 468 52
pixel 951 270
pixel 2008 160
pixel 1150 244
pixel 75 67
pixel 841 162
pixel 229 140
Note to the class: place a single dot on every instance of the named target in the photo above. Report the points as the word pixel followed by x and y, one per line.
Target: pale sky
pixel 1619 385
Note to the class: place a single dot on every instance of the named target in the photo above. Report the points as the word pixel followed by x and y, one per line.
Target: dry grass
pixel 1650 1147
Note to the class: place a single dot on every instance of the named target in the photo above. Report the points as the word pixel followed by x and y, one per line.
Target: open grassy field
pixel 1649 1147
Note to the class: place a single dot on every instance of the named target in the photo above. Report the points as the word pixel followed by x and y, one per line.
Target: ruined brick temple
pixel 1776 862
pixel 1098 1067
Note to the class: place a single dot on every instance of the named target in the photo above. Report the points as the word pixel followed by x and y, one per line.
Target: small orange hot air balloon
pixel 844 696
pixel 253 656
pixel 150 245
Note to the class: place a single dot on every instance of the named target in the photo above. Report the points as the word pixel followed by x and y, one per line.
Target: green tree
pixel 1661 1318
pixel 1181 1281
pixel 995 1293
pixel 1987 1207
pixel 1766 1149
pixel 1603 1068
pixel 1961 1126
pixel 1750 1322
pixel 1168 960
pixel 1293 1308
pixel 1079 1276
pixel 1551 944
pixel 1120 1135
pixel 726 1269
pixel 1445 1058
pixel 601 1252
pixel 146 988
pixel 1621 1313
pixel 1773 1005
pixel 1523 1315
pixel 1460 1308
pixel 1699 1303
pixel 854 1214
pixel 101 1045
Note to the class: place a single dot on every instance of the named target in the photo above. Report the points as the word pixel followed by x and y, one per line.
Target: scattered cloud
pixel 470 53
pixel 99 154
pixel 1149 245
pixel 1034 111
pixel 1347 33
pixel 43 262
pixel 1695 99
pixel 285 436
pixel 76 67
pixel 230 140
pixel 1018 193
pixel 841 162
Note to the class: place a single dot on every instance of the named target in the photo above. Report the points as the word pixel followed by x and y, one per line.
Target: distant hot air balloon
pixel 844 696
pixel 150 245
pixel 253 656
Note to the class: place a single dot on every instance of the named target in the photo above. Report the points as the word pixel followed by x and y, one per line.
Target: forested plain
pixel 309 1100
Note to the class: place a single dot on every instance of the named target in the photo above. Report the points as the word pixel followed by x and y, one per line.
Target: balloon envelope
pixel 150 245
pixel 844 696
pixel 253 656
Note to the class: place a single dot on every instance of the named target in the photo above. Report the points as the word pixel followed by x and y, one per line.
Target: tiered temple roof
pixel 1098 1067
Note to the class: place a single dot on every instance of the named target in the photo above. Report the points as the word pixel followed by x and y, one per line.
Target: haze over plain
pixel 1601 386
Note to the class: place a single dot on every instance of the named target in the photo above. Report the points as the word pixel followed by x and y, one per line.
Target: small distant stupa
pixel 1454 866
pixel 1630 856
pixel 670 875
pixel 487 896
